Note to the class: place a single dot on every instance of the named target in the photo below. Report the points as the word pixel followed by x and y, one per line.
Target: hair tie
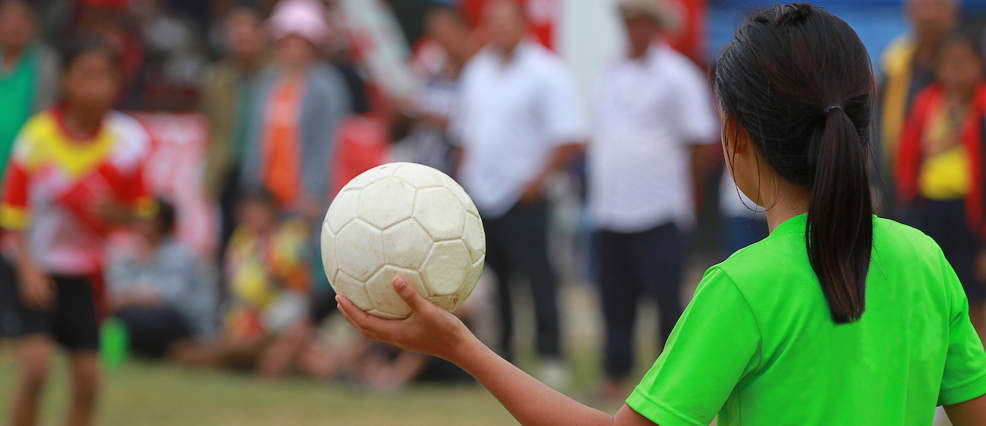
pixel 833 107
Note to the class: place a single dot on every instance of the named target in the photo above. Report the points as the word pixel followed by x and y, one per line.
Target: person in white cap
pixel 653 110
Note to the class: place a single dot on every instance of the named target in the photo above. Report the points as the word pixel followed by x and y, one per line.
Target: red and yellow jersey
pixel 55 179
pixel 943 160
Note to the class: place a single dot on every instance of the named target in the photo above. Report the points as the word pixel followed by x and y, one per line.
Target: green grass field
pixel 150 394
pixel 142 393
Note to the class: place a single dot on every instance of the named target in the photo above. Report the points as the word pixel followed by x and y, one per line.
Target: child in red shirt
pixel 73 175
pixel 939 170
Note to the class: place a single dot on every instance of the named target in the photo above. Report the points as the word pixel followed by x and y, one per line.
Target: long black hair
pixel 798 79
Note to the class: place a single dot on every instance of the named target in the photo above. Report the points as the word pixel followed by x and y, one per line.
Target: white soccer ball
pixel 403 219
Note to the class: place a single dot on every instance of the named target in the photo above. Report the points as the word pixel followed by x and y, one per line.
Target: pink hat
pixel 306 18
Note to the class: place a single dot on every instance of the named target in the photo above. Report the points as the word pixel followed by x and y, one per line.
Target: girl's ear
pixel 735 140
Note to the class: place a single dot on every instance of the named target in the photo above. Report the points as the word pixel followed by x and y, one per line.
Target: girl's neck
pixel 82 122
pixel 783 202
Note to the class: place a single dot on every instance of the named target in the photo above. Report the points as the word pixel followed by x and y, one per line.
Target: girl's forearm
pixel 531 402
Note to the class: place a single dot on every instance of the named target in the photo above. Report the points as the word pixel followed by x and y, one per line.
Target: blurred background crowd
pixel 584 130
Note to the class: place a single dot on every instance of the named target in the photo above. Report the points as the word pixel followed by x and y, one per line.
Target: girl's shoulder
pixel 783 254
pixel 132 142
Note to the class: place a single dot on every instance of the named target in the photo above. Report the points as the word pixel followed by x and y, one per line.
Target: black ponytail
pixel 840 226
pixel 799 81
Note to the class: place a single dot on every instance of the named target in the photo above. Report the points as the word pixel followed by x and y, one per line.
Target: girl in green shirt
pixel 836 318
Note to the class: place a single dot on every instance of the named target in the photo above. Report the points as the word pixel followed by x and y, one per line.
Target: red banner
pixel 174 172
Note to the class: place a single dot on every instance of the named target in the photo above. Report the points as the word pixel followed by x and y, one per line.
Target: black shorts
pixel 71 320
pixel 153 330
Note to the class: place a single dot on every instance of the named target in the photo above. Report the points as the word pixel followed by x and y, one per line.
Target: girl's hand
pixel 37 289
pixel 109 211
pixel 429 330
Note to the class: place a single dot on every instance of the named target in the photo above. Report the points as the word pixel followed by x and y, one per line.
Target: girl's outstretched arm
pixel 432 331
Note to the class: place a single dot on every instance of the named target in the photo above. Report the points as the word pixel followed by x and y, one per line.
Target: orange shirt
pixel 281 162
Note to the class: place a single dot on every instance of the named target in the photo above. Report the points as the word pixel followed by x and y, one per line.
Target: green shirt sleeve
pixel 965 365
pixel 715 344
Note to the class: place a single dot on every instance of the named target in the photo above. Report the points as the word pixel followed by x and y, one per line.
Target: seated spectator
pixel 267 274
pixel 159 290
pixel 373 365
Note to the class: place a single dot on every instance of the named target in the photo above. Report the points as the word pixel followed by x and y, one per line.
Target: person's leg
pixel 85 382
pixel 528 249
pixel 30 330
pixel 498 261
pixel 8 316
pixel 76 328
pixel 243 353
pixel 152 330
pixel 33 353
pixel 618 296
pixel 659 257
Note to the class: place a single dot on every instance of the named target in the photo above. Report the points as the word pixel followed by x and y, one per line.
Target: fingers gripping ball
pixel 403 219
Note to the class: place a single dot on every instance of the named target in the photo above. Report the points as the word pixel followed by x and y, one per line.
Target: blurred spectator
pixel 907 66
pixel 420 126
pixel 174 59
pixel 941 186
pixel 159 289
pixel 75 172
pixel 28 72
pixel 377 366
pixel 519 123
pixel 266 270
pixel 300 102
pixel 227 96
pixel 654 111
pixel 296 350
pixel 28 80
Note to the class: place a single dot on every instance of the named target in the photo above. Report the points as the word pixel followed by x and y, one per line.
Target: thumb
pixel 406 291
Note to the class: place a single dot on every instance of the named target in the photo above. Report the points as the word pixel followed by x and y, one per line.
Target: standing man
pixel 907 66
pixel 519 124
pixel 227 97
pixel 654 110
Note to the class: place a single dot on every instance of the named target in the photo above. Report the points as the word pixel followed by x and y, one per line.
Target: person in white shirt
pixel 654 118
pixel 517 125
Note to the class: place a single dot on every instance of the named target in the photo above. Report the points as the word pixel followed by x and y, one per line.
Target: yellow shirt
pixel 945 176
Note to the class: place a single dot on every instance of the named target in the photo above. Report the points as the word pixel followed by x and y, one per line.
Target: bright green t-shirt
pixel 757 343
